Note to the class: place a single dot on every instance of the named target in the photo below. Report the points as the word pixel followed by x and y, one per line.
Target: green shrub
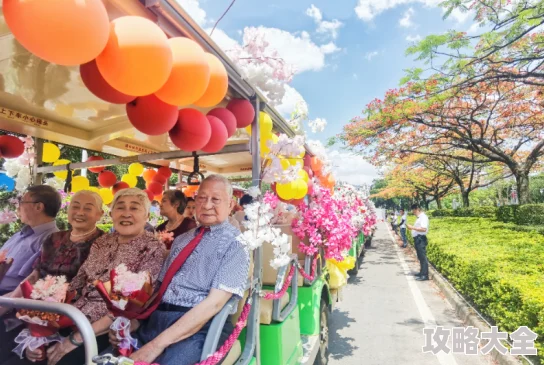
pixel 528 214
pixel 479 212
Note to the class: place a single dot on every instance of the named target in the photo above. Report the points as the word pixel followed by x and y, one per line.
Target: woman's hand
pixel 57 351
pixel 148 353
pixel 112 334
pixel 36 355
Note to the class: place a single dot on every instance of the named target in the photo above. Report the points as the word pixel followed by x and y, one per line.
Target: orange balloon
pixel 137 59
pixel 316 164
pixel 218 86
pixel 65 32
pixel 158 197
pixel 190 190
pixel 190 74
pixel 148 175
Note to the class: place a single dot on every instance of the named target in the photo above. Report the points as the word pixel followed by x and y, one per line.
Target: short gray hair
pixel 221 179
pixel 140 194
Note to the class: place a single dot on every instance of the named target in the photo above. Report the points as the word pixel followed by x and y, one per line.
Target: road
pixel 383 311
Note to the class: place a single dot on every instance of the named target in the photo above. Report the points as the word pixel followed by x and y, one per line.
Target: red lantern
pixel 161 179
pixel 92 78
pixel 155 188
pixel 107 179
pixel 243 111
pixel 151 116
pixel 219 135
pixel 11 147
pixel 119 186
pixel 97 169
pixel 226 117
pixel 192 130
pixel 150 195
pixel 165 171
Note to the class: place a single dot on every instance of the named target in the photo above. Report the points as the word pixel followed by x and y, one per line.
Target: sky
pixel 346 53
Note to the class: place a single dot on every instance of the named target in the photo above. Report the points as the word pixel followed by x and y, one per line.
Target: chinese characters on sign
pixel 23 118
pixel 134 148
pixel 465 340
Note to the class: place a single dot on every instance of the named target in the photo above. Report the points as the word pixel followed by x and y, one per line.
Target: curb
pixel 466 313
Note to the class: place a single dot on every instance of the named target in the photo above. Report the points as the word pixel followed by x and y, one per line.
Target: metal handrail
pixel 278 314
pixel 82 323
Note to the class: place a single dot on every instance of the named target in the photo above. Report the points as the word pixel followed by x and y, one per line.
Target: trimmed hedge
pixel 528 214
pixel 479 212
pixel 498 269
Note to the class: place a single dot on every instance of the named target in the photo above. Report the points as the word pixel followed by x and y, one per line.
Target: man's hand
pixel 148 353
pixel 410 226
pixel 57 351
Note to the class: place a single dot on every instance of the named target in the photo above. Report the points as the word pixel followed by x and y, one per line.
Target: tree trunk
pixel 438 203
pixel 466 200
pixel 522 182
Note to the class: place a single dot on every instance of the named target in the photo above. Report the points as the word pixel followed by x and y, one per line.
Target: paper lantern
pixel 161 179
pixel 93 80
pixel 96 169
pixel 150 195
pixel 106 195
pixel 50 152
pixel 243 111
pixel 192 130
pixel 131 180
pixel 165 171
pixel 190 74
pixel 65 32
pixel 107 179
pixel 137 59
pixel 218 85
pixel 11 147
pixel 151 116
pixel 226 116
pixel 149 174
pixel 265 123
pixel 219 135
pixel 119 186
pixel 79 183
pixel 136 169
pixel 155 188
pixel 61 174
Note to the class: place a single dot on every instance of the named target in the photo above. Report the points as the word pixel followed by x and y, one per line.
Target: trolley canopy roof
pixel 51 102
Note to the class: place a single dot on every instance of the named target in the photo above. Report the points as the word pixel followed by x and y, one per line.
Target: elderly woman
pixel 173 206
pixel 131 245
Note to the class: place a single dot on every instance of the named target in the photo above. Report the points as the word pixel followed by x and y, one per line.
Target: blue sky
pixel 348 52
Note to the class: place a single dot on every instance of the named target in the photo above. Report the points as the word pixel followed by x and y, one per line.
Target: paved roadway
pixel 381 317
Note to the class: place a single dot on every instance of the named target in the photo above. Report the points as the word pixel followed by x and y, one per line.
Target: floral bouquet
pixel 165 237
pixel 43 327
pixel 126 295
pixel 5 264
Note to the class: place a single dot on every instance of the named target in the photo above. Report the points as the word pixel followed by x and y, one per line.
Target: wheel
pixel 323 354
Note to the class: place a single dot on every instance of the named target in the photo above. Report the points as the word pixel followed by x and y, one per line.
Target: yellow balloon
pixel 265 150
pixel 94 189
pixel 265 122
pixel 275 138
pixel 304 176
pixel 61 174
pixel 248 129
pixel 50 153
pixel 300 188
pixel 131 180
pixel 106 195
pixel 135 169
pixel 285 191
pixel 284 164
pixel 79 183
pixel 295 161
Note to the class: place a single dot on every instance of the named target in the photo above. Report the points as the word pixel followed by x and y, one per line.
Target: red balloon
pixel 307 161
pixel 243 111
pixel 310 186
pixel 161 179
pixel 192 130
pixel 155 188
pixel 107 179
pixel 97 169
pixel 11 147
pixel 119 186
pixel 165 171
pixel 150 195
pixel 151 116
pixel 309 171
pixel 92 78
pixel 226 117
pixel 219 135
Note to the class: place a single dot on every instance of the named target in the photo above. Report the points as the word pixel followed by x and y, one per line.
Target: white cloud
pixel 351 168
pixel 370 55
pixel 192 7
pixel 324 26
pixel 329 48
pixel 459 16
pixel 222 39
pixel 474 29
pixel 291 98
pixel 413 38
pixel 406 20
pixel 366 10
pixel 314 12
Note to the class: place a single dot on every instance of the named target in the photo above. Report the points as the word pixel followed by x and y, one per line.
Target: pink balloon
pixel 226 117
pixel 219 135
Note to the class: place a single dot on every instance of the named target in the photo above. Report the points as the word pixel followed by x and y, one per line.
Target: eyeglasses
pixel 27 202
pixel 203 200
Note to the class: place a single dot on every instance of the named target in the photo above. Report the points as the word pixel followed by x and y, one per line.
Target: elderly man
pixel 215 271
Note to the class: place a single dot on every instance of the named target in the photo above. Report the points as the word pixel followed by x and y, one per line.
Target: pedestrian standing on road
pixel 402 226
pixel 395 222
pixel 419 233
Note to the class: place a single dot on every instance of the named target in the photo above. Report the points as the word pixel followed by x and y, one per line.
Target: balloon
pixel 119 186
pixel 284 163
pixel 61 174
pixel 161 179
pixel 310 187
pixel 192 130
pixel 94 189
pixel 79 183
pixel 149 174
pixel 137 59
pixel 307 161
pixel 218 85
pixel 295 161
pixel 316 164
pixel 50 152
pixel 226 117
pixel 300 188
pixel 165 171
pixel 309 172
pixel 150 195
pixel 275 139
pixel 155 188
pixel 97 169
pixel 158 197
pixel 190 190
pixel 304 176
pixel 190 73
pixel 106 195
pixel 92 78
pixel 285 191
pixel 107 179
pixel 243 111
pixel 131 180
pixel 65 32
pixel 136 169
pixel 218 137
pixel 151 116
pixel 265 123
pixel 11 147
pixel 6 183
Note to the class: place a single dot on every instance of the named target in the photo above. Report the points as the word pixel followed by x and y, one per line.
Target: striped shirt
pixel 218 262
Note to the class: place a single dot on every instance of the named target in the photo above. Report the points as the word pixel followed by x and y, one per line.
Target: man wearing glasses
pixel 37 210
